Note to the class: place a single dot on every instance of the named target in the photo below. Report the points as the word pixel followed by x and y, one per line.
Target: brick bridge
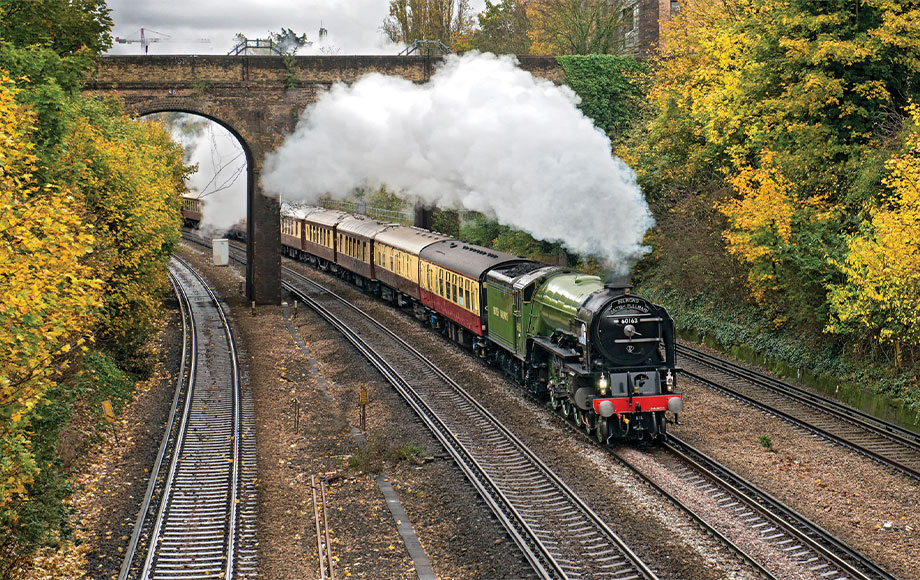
pixel 259 99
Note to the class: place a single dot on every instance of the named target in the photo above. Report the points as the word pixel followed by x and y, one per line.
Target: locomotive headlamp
pixel 669 381
pixel 602 384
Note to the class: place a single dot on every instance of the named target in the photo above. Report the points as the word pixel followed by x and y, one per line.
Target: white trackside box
pixel 221 252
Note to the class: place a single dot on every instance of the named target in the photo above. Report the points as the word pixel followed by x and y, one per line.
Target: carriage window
pixel 468 303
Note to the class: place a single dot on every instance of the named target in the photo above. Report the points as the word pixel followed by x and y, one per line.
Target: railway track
pixel 791 539
pixel 787 538
pixel 197 519
pixel 888 444
pixel 559 535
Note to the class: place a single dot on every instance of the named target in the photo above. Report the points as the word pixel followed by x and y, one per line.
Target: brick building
pixel 641 24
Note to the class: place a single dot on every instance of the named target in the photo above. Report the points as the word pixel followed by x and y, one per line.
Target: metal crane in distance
pixel 145 41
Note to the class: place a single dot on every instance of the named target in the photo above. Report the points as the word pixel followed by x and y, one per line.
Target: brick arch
pixel 194 107
pixel 254 200
pixel 259 99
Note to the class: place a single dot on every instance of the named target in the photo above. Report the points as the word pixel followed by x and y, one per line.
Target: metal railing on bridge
pixel 256 46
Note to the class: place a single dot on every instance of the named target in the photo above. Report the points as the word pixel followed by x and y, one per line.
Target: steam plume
pixel 482 135
pixel 221 177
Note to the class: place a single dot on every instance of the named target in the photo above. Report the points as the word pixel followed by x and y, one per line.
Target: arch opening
pixel 227 182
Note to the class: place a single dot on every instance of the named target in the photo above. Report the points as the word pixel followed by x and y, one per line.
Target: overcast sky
pixel 353 25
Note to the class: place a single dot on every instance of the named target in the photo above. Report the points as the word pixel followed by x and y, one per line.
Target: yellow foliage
pixel 882 267
pixel 761 222
pixel 47 295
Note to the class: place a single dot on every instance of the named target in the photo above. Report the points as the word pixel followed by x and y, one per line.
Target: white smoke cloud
pixel 221 178
pixel 482 135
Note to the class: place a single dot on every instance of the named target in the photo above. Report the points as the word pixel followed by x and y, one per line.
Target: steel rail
pixel 831 549
pixel 817 405
pixel 207 499
pixel 545 562
pixel 188 359
pixel 849 563
pixel 906 436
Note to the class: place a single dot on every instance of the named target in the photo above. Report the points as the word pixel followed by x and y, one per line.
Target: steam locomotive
pixel 598 354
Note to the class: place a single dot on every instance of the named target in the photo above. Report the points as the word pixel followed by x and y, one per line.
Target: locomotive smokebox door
pixel 627 332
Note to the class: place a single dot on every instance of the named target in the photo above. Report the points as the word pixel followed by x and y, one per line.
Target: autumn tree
pixel 880 297
pixel 89 212
pixel 48 299
pixel 503 28
pixel 575 26
pixel 72 28
pixel 131 178
pixel 758 98
pixel 449 21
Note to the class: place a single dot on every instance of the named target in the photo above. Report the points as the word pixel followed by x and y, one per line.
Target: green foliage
pixel 411 453
pixel 72 28
pixel 480 230
pixel 503 28
pixel 385 199
pixel 47 46
pixel 290 75
pixel 288 41
pixel 41 518
pixel 612 89
pixel 766 442
pixel 380 452
pixel 446 222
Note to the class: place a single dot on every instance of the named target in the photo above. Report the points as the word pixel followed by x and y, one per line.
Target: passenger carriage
pixel 192 211
pixel 396 261
pixel 354 249
pixel 319 236
pixel 293 231
pixel 452 274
